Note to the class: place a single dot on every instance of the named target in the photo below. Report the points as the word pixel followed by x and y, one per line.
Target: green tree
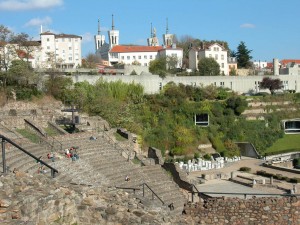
pixel 231 148
pixel 271 84
pixel 158 66
pixel 208 67
pixel 237 104
pixel 59 87
pixel 243 56
pixel 21 73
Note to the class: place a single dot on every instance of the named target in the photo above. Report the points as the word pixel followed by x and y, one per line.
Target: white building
pixel 115 53
pixel 260 64
pixel 216 51
pixel 64 50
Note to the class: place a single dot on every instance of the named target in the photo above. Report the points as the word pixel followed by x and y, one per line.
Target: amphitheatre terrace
pixel 93 189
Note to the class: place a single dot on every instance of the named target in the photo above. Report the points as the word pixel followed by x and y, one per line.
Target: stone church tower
pixel 168 38
pixel 99 39
pixel 153 40
pixel 113 35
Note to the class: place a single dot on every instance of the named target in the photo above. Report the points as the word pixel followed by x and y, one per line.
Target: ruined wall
pixel 155 154
pixel 252 211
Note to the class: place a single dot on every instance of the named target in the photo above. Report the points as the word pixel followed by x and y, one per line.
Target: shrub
pixel 207 157
pixel 245 169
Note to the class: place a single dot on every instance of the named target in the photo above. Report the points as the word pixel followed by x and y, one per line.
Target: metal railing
pixel 116 145
pixel 143 190
pixel 5 139
pixel 153 193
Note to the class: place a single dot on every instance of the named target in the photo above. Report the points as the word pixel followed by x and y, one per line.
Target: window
pixel 202 119
pixel 70 48
pixel 48 47
pixel 140 57
pixel 128 57
pixel 70 58
pixel 210 55
pixel 122 57
pixel 150 56
pixel 63 51
pixel 145 64
pixel 134 57
pixel 222 65
pixel 216 57
pixel 76 39
pixel 145 57
pixel 48 39
pixel 222 57
pixel 70 40
pixel 222 84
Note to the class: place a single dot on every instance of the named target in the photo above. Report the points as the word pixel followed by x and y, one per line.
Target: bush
pixel 245 169
pixel 207 157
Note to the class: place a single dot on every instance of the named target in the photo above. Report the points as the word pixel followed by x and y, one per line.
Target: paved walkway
pixel 219 185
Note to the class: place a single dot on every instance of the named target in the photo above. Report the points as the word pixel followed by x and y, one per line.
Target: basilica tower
pixel 113 35
pixel 168 38
pixel 99 39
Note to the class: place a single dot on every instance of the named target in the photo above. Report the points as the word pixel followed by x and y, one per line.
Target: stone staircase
pixel 101 164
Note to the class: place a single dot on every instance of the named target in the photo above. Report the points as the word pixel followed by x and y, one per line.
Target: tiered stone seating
pixel 100 164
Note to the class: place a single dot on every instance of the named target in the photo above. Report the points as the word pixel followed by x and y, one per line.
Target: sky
pixel 269 28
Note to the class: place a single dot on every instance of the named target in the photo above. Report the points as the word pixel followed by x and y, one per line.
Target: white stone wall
pixel 152 83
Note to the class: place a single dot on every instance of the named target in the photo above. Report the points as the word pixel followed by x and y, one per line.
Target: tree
pixel 24 46
pixel 172 62
pixel 7 53
pixel 158 66
pixel 243 56
pixel 237 104
pixel 91 61
pixel 271 84
pixel 208 67
pixel 21 73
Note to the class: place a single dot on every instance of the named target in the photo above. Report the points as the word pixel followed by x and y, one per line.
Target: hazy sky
pixel 270 28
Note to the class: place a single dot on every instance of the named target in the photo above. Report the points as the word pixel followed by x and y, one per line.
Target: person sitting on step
pixel 127 178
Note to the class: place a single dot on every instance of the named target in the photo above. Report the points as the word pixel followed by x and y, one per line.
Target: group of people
pixel 71 153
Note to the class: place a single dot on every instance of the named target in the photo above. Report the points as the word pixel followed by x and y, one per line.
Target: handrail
pixel 128 188
pixel 143 184
pixel 153 193
pixel 53 170
pixel 115 144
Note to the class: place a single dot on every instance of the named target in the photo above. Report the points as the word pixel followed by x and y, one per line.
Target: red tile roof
pixel 135 48
pixel 284 62
pixel 22 54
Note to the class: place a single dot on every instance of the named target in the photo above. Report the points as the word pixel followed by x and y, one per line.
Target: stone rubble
pixel 37 199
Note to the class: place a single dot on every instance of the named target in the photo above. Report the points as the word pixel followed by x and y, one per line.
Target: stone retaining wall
pixel 252 211
pixel 178 176
pixel 155 154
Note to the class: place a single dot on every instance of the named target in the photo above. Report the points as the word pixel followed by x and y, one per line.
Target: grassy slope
pixel 289 141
